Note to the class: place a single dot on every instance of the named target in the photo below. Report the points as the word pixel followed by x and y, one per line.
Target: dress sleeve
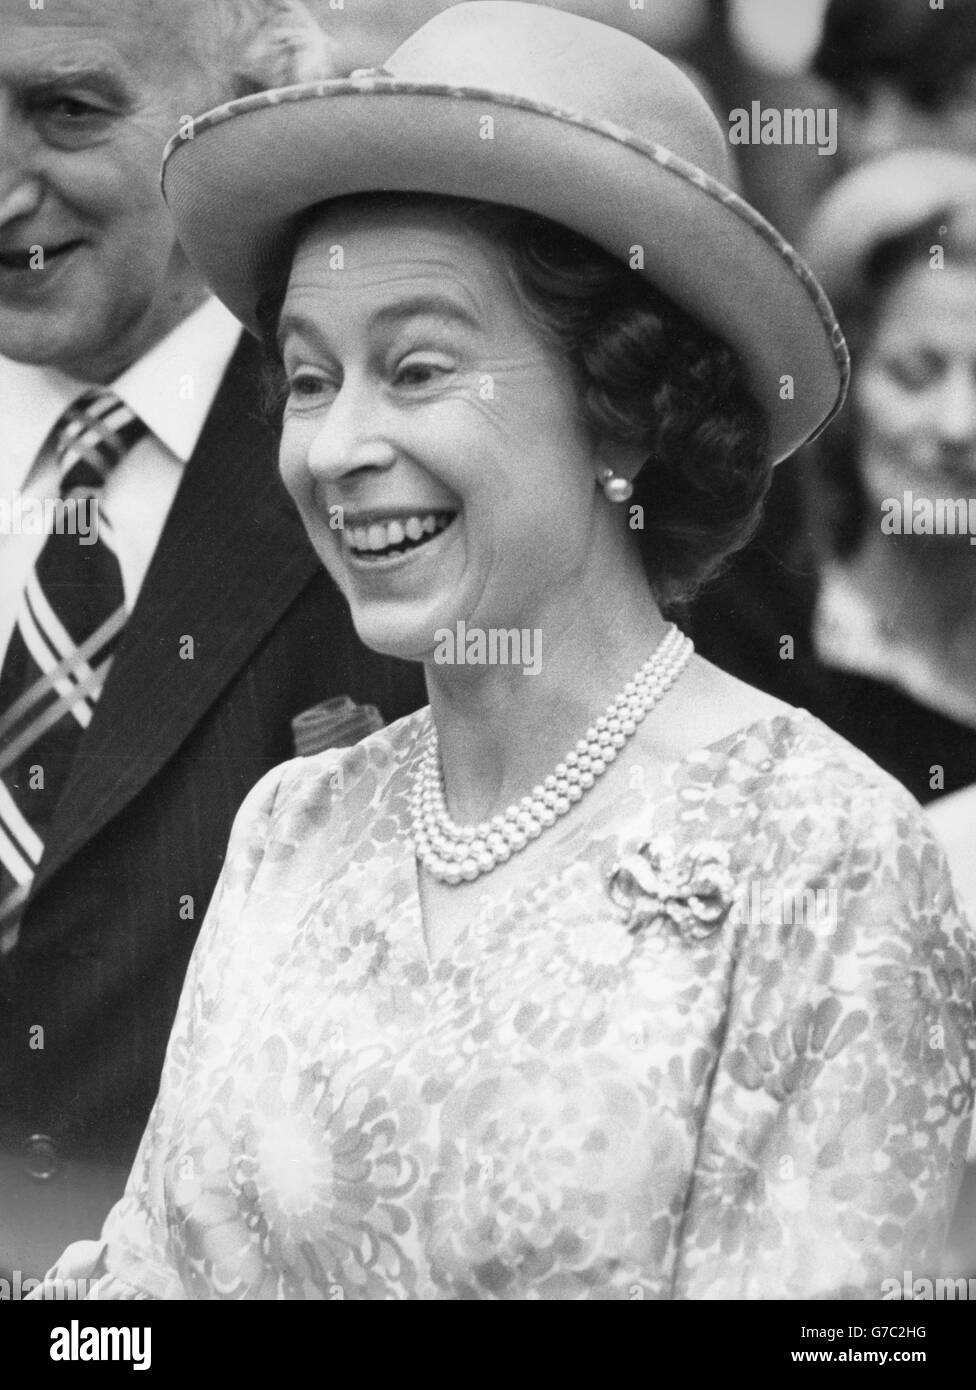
pixel 836 1129
pixel 131 1259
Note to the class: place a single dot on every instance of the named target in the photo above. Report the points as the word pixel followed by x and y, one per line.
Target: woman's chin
pixel 392 635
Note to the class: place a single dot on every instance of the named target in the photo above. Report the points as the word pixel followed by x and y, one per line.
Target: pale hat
pixel 880 201
pixel 523 105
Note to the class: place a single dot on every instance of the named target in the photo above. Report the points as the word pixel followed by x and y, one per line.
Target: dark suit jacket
pixel 172 750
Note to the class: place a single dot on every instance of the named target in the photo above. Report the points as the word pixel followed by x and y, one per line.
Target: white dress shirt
pixel 171 389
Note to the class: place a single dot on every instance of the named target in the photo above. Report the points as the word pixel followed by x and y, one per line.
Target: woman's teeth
pixel 395 537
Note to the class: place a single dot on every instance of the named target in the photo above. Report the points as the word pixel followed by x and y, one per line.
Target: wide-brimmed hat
pixel 523 105
pixel 879 202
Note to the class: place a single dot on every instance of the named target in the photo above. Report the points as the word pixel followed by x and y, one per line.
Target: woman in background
pixel 892 493
pixel 682 1012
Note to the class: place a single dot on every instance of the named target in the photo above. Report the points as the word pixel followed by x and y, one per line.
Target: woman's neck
pixel 923 590
pixel 502 727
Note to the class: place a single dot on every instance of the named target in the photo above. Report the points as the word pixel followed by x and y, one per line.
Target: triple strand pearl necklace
pixel 455 854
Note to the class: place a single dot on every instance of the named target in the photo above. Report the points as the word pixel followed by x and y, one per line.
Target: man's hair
pixel 923 53
pixel 255 44
pixel 647 373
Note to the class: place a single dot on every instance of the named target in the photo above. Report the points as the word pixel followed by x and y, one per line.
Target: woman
pixel 895 479
pixel 692 1017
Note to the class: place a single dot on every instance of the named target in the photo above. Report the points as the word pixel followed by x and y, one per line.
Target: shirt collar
pixel 171 389
pixel 32 399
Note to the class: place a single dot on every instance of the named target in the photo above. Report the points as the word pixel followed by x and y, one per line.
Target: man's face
pixel 89 94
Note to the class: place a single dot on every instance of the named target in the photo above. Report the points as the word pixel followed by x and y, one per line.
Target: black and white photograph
pixel 488 663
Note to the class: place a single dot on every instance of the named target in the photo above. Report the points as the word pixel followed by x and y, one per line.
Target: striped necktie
pixel 70 620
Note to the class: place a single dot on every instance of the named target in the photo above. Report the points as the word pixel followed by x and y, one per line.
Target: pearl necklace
pixel 455 854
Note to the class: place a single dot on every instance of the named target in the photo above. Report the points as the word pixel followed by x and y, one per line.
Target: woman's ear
pixel 623 460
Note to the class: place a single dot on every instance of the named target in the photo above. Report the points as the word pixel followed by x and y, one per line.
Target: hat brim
pixel 253 166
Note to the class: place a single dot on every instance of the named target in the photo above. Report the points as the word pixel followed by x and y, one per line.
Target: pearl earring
pixel 616 489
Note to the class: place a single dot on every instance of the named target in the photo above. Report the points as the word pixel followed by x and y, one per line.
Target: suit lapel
pixel 232 558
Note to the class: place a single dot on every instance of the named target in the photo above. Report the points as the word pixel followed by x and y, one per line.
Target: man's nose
pixel 351 437
pixel 21 186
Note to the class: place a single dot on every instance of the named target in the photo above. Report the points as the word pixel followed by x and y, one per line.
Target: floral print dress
pixel 722 1047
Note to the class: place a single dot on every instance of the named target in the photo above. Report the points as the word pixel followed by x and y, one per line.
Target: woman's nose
pixel 955 411
pixel 350 437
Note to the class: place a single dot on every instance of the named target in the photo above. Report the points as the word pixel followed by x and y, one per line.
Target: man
pixel 123 387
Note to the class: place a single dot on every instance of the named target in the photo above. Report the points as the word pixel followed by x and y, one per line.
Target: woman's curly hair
pixel 649 375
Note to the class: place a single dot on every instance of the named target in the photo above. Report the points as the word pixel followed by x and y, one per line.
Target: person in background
pixel 906 72
pixel 149 675
pixel 486 1007
pixel 894 616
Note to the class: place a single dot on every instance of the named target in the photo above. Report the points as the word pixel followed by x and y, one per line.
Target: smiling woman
pixel 480 1009
pixel 888 490
pixel 641 374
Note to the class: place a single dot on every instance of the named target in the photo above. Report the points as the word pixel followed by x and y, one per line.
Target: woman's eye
pixel 306 386
pixel 917 372
pixel 420 372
